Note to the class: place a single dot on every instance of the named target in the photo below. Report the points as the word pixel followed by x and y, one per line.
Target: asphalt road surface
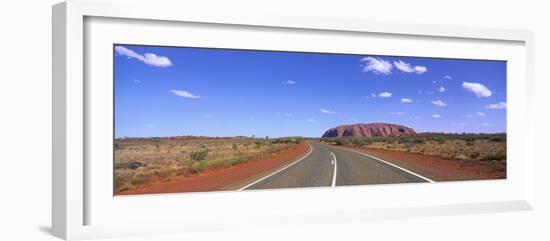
pixel 326 166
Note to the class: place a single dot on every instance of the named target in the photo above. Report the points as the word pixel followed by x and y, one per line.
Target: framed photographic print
pixel 180 114
pixel 296 119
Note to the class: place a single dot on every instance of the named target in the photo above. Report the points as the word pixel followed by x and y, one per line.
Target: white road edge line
pixel 393 165
pixel 285 167
pixel 335 167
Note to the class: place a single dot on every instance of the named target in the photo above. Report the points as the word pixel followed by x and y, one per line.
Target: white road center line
pixel 335 167
pixel 287 166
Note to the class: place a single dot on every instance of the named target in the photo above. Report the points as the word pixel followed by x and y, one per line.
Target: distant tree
pixel 267 137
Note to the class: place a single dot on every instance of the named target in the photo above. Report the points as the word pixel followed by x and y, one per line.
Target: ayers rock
pixel 368 130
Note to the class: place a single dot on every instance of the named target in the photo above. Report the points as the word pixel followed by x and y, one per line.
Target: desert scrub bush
pixel 327 139
pixel 235 160
pixel 136 180
pixel 228 162
pixel 408 145
pixel 199 166
pixel 498 139
pixel 495 157
pixel 199 155
pixel 287 140
pixel 259 144
pixel 358 142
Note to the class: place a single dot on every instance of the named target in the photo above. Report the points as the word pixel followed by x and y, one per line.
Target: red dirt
pixel 439 169
pixel 230 178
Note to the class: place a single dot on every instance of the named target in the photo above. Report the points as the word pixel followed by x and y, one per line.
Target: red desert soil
pixel 230 178
pixel 439 169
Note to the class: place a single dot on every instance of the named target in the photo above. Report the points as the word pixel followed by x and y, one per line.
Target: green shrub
pixel 199 166
pixel 199 155
pixel 236 160
pixel 418 141
pixel 136 180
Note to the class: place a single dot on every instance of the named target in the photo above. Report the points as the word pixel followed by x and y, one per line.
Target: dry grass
pixel 451 149
pixel 142 160
pixel 466 147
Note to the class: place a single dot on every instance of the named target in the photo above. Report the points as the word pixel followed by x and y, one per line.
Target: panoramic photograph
pixel 190 119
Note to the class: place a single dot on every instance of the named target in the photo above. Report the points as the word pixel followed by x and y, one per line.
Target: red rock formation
pixel 368 130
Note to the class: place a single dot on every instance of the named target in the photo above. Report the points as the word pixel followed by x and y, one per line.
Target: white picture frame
pixel 72 191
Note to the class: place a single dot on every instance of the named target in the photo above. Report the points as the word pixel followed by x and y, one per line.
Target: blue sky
pixel 169 91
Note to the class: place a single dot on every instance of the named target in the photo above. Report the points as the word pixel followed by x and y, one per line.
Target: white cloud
pixel 384 94
pixel 478 89
pixel 500 105
pixel 436 116
pixel 403 66
pixel 311 120
pixel 207 116
pixel 136 81
pixel 439 103
pixel 416 117
pixel 420 69
pixel 147 58
pixel 469 116
pixel 407 68
pixel 447 77
pixel 149 126
pixel 485 124
pixel 441 89
pixel 462 123
pixel 398 113
pixel 185 94
pixel 252 118
pixel 406 100
pixel 327 111
pixel 376 65
pixel 373 95
pixel 288 114
pixel 288 82
pixel 480 114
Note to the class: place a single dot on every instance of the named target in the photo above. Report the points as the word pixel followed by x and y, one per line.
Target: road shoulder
pixel 231 178
pixel 436 168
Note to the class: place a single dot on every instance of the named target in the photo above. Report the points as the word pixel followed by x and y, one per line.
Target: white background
pixel 25 124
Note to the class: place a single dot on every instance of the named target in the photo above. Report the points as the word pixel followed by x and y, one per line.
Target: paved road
pixel 335 166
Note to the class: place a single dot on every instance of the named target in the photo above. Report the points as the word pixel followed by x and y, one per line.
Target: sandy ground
pixel 231 178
